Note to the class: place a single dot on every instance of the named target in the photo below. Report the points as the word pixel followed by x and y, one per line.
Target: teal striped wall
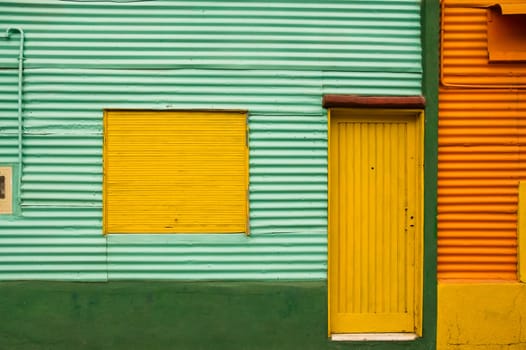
pixel 275 59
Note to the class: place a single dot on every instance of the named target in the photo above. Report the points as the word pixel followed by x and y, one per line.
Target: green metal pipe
pixel 20 120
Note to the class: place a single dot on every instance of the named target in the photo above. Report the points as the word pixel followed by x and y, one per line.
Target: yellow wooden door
pixel 375 219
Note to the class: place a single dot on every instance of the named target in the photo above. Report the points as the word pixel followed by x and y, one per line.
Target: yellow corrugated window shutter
pixel 175 172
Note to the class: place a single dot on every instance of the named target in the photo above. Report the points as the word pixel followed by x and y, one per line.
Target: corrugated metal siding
pixel 297 254
pixel 481 151
pixel 464 51
pixel 84 57
pixel 308 35
pixel 53 243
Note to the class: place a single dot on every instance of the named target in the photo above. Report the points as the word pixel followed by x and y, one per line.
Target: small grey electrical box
pixel 6 190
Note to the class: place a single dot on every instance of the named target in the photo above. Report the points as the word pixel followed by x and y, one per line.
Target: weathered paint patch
pixel 481 316
pixel 171 315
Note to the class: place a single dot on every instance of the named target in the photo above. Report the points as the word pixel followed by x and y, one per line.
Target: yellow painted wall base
pixel 481 316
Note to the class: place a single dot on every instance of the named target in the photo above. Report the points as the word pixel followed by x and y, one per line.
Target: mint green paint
pixel 170 315
pixel 372 36
pixel 274 59
pixel 291 256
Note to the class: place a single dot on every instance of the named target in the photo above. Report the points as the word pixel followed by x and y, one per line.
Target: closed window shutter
pixel 175 172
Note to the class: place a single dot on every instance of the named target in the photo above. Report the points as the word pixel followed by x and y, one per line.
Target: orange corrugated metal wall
pixel 481 151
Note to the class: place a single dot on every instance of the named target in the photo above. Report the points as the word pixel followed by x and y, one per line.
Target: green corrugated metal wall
pixel 275 59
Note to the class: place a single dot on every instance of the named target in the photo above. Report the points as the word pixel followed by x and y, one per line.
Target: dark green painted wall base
pixel 169 315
